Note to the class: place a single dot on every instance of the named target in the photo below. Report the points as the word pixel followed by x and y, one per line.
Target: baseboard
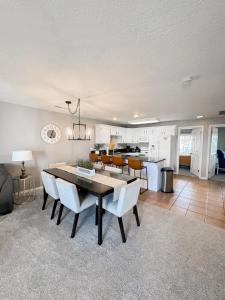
pixel 203 178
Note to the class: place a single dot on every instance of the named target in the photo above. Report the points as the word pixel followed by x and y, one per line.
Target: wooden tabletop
pixel 93 187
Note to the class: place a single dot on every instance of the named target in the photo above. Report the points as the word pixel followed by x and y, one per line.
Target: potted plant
pixel 85 167
pixel 97 147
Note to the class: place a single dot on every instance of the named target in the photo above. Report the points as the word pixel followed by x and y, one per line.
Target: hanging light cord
pixel 76 110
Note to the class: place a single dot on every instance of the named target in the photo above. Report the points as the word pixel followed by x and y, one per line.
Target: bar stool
pixel 137 165
pixel 119 162
pixel 94 158
pixel 106 160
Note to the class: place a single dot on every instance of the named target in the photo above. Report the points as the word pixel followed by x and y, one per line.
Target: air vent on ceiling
pixel 222 112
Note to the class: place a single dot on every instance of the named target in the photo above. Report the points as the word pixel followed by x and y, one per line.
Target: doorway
pixel 216 153
pixel 189 151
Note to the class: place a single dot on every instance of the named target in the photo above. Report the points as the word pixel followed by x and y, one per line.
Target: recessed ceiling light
pixel 144 121
pixel 199 117
pixel 115 119
pixel 136 115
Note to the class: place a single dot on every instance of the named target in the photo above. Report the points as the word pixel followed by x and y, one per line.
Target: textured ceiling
pixel 119 57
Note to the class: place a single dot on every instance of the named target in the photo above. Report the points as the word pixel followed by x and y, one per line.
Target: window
pixel 185 144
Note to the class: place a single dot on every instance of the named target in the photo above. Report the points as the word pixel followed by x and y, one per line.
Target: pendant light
pixel 77 127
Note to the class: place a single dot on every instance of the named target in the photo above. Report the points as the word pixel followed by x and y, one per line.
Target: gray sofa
pixel 6 191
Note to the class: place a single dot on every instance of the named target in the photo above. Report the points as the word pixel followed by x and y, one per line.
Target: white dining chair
pixel 128 198
pixel 50 187
pixel 70 198
pixel 56 165
pixel 113 169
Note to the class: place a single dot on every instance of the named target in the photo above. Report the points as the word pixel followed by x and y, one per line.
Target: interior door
pixel 196 149
pixel 213 152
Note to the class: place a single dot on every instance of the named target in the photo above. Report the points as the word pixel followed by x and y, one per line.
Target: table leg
pixel 45 199
pixel 100 220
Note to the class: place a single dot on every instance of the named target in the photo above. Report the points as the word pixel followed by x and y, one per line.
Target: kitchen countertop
pixel 141 157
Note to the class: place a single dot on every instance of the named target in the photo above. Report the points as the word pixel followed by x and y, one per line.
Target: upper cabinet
pixel 116 131
pixel 131 135
pixel 142 134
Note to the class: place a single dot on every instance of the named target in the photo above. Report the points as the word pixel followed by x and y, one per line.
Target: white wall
pixel 20 129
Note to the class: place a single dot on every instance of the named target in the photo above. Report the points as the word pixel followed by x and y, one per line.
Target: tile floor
pixel 193 198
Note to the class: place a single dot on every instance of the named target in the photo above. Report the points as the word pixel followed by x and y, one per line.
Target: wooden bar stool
pixel 94 158
pixel 106 159
pixel 137 165
pixel 119 162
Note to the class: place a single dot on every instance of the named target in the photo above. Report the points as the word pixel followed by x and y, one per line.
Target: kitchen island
pixel 153 165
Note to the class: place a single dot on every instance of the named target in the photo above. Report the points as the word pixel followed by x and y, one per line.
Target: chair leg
pixel 45 199
pixel 147 176
pixel 54 208
pixel 135 211
pixel 74 225
pixel 96 215
pixel 60 214
pixel 143 189
pixel 120 220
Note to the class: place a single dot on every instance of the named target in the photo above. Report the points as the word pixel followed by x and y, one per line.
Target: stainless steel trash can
pixel 167 180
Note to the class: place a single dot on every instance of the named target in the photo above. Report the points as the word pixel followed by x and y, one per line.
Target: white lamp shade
pixel 23 155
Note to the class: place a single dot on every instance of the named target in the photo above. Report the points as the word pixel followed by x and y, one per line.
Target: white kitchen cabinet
pixel 116 131
pixel 134 135
pixel 165 130
pixel 143 134
pixel 128 135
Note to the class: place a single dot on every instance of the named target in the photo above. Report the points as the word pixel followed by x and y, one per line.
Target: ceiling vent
pixel 222 113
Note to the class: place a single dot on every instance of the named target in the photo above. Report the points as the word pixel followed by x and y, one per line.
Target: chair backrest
pixel 49 183
pixel 113 169
pixel 68 194
pixel 106 159
pixel 94 157
pixel 128 197
pixel 118 160
pixel 135 164
pixel 55 165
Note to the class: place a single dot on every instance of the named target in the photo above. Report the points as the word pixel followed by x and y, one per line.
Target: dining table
pixel 98 189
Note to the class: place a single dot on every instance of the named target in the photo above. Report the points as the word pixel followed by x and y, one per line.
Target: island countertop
pixel 143 158
pixel 153 168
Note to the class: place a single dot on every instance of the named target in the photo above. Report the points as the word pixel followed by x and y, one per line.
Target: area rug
pixel 168 257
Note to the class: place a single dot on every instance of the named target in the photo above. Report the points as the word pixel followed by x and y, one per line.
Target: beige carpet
pixel 168 257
